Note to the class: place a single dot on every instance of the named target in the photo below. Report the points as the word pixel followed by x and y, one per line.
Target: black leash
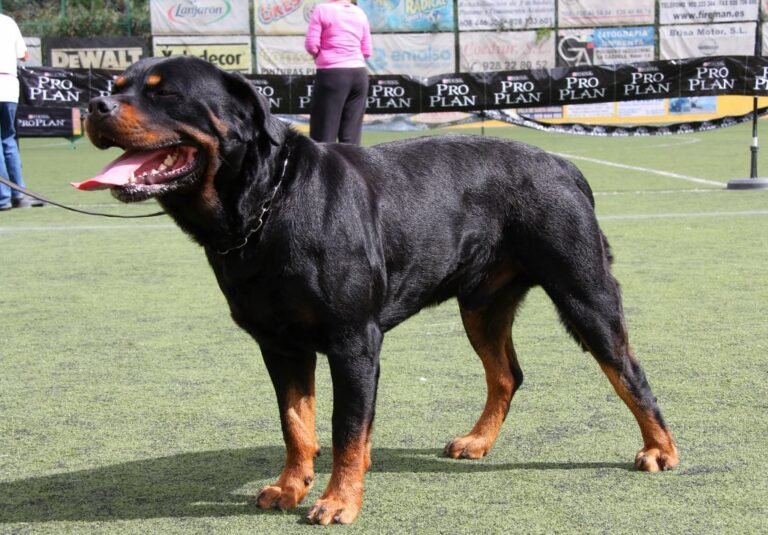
pixel 39 197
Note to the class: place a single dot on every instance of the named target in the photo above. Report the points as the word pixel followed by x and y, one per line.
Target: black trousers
pixel 338 105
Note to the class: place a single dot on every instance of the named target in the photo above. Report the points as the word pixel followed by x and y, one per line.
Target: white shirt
pixel 12 48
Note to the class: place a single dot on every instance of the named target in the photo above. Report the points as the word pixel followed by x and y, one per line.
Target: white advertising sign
pixel 282 17
pixel 505 51
pixel 35 52
pixel 229 52
pixel 692 41
pixel 583 111
pixel 200 17
pixel 506 14
pixel 641 108
pixel 764 50
pixel 688 11
pixel 417 54
pixel 575 13
pixel 283 55
pixel 605 46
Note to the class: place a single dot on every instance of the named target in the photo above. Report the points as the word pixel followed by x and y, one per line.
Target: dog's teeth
pixel 131 178
pixel 170 160
pixel 162 167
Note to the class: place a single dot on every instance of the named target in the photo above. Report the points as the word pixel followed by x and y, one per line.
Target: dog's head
pixel 181 122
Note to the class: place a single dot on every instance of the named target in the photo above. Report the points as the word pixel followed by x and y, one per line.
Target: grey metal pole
pixel 753 182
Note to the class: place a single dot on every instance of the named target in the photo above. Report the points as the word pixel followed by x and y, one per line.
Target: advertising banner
pixel 276 89
pixel 229 52
pixel 52 87
pixel 415 54
pixel 457 92
pixel 689 81
pixel 506 51
pixel 717 76
pixel 518 89
pixel 581 85
pixel 393 94
pixel 697 40
pixel 506 14
pixel 48 122
pixel 687 12
pixel 282 17
pixel 199 17
pixel 605 46
pixel 644 80
pixel 576 13
pixel 687 127
pixel 111 53
pixel 409 15
pixel 283 55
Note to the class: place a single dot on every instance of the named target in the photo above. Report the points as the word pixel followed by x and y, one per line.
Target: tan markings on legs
pixel 491 339
pixel 368 445
pixel 659 451
pixel 301 448
pixel 343 498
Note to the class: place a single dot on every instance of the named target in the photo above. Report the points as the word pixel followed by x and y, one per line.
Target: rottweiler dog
pixel 323 248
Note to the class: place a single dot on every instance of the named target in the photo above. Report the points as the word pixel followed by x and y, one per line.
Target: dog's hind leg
pixel 293 377
pixel 489 332
pixel 589 302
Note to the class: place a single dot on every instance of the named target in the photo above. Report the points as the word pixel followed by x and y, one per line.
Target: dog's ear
pixel 239 86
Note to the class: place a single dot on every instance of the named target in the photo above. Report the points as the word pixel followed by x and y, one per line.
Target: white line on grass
pixel 655 192
pixel 170 226
pixel 644 170
pixel 690 141
pixel 86 228
pixel 683 215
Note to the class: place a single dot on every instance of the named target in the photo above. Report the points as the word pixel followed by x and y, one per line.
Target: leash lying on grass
pixel 39 197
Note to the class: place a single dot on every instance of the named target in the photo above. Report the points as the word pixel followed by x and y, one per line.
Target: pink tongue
pixel 118 172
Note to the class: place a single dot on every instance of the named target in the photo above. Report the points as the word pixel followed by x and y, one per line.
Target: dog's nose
pixel 102 107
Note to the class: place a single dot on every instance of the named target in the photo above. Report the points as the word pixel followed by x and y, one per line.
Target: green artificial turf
pixel 130 402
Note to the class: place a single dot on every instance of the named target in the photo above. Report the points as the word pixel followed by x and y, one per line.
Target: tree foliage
pixel 80 18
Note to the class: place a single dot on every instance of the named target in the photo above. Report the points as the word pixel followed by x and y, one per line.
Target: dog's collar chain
pixel 265 208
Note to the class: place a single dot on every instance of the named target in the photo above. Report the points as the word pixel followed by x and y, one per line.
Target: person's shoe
pixel 4 207
pixel 26 202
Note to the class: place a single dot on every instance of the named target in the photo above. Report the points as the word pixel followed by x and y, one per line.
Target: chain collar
pixel 265 208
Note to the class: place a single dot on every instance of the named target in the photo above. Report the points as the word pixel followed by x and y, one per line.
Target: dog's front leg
pixel 294 379
pixel 355 374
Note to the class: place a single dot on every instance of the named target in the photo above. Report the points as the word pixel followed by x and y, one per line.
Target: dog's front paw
pixel 283 498
pixel 334 511
pixel 654 459
pixel 468 447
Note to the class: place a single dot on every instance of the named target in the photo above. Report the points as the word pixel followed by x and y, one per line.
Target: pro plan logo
pixel 199 11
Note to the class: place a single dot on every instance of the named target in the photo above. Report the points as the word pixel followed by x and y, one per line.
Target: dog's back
pixel 454 215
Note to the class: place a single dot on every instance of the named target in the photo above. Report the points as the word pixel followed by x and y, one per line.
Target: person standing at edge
pixel 339 38
pixel 12 48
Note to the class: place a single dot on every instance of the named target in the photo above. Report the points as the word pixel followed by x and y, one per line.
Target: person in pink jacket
pixel 339 38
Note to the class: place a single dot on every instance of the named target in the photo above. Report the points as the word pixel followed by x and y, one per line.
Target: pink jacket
pixel 339 36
